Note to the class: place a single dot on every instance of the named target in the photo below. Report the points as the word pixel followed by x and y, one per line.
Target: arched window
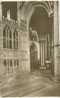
pixel 15 38
pixel 7 37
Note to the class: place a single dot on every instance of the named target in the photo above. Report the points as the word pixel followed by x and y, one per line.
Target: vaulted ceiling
pixel 47 5
pixel 40 21
pixel 42 16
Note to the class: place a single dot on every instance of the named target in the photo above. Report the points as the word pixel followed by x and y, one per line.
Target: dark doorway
pixel 43 24
pixel 33 57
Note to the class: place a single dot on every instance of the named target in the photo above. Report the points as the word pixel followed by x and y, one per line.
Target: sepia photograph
pixel 30 48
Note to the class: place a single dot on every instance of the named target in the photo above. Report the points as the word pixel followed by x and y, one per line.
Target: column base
pixel 56 78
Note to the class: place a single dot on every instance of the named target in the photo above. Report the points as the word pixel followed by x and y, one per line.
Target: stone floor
pixel 28 84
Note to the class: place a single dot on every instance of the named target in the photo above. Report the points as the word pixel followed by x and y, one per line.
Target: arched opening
pixel 42 24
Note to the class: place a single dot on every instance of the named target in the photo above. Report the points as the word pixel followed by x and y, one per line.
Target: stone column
pixel 59 22
pixel 56 39
pixel 1 25
pixel 0 11
pixel 59 40
pixel 23 50
pixel 1 42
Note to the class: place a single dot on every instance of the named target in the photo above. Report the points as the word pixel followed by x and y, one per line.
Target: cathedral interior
pixel 29 37
pixel 26 43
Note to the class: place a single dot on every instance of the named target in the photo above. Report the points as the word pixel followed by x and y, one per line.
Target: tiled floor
pixel 28 84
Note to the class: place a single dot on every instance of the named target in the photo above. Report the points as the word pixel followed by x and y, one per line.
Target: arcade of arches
pixel 34 39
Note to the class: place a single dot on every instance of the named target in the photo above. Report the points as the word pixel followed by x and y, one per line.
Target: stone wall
pixel 22 53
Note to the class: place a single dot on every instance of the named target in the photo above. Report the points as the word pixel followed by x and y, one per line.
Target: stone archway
pixel 27 8
pixel 32 7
